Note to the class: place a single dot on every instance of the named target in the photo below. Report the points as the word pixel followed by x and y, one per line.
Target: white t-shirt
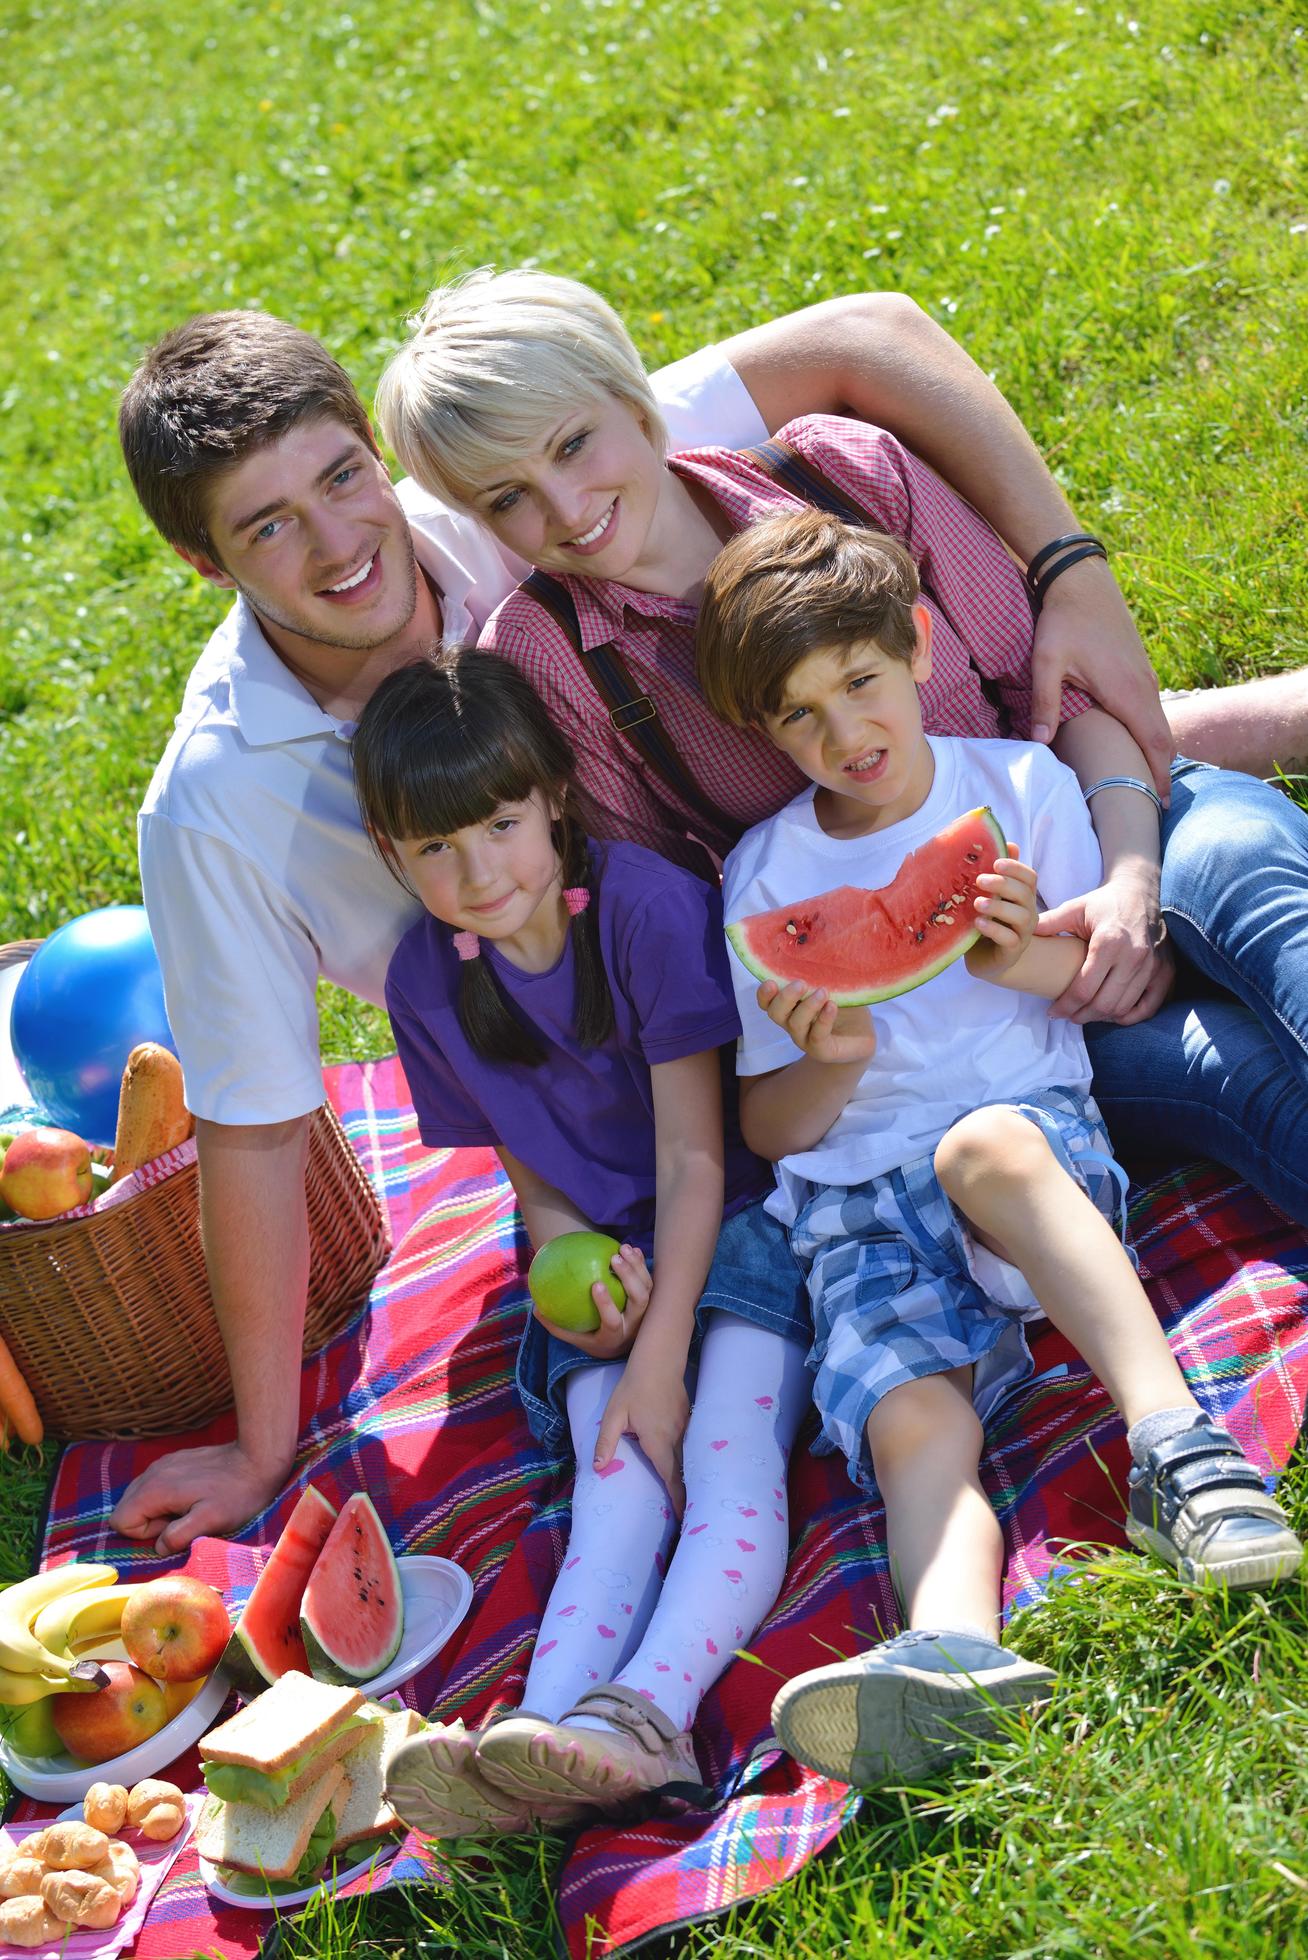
pixel 956 1042
pixel 256 872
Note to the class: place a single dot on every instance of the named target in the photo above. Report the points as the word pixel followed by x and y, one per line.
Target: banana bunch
pixel 30 1668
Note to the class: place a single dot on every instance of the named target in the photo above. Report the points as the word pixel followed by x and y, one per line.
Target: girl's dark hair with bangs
pixel 441 745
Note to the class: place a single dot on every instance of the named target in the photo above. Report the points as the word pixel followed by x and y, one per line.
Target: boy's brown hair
pixel 207 395
pixel 787 587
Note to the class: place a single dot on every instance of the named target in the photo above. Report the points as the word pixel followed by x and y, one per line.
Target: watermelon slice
pixel 352 1613
pixel 266 1641
pixel 864 946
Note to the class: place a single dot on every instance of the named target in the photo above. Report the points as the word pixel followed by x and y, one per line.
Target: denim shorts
pixel 754 1275
pixel 901 1289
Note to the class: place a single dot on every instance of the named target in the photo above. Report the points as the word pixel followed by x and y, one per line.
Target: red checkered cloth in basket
pixel 416 1403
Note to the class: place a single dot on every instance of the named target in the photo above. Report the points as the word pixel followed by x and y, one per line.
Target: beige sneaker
pixel 607 1768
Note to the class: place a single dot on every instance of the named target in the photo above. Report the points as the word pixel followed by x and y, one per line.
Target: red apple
pixel 46 1172
pixel 175 1628
pixel 94 1727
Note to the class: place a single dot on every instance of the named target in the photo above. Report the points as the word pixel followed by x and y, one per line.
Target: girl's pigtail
pixel 594 1000
pixel 488 1020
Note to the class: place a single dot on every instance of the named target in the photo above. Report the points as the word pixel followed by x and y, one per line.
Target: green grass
pixel 1111 212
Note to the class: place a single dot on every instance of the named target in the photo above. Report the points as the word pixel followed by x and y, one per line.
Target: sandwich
pixel 257 1850
pixel 275 1748
pixel 366 1815
pixel 263 1849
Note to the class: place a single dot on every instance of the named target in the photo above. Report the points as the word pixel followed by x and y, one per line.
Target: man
pixel 251 452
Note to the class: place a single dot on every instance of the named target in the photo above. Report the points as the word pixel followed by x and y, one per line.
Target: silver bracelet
pixel 1126 782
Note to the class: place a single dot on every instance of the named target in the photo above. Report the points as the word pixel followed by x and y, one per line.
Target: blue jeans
pixel 1222 1070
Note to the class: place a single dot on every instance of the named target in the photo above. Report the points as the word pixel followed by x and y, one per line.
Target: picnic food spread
pixel 863 946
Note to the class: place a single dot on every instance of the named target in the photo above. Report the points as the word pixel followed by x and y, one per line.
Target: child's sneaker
pixel 1197 1502
pixel 904 1709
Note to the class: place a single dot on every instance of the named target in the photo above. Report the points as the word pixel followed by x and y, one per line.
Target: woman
pixel 521 398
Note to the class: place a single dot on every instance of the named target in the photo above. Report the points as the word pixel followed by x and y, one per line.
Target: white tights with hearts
pixel 613 1614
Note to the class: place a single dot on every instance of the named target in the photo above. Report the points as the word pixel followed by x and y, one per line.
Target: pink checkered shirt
pixel 980 615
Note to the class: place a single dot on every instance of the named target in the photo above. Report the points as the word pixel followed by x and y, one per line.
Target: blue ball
pixel 88 994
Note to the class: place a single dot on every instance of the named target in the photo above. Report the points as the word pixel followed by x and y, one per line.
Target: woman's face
pixel 583 499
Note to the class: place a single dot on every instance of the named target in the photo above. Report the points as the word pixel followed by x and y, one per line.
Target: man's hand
pixel 208 1492
pixel 825 1032
pixel 650 1403
pixel 1129 969
pixel 618 1326
pixel 1086 635
pixel 1005 917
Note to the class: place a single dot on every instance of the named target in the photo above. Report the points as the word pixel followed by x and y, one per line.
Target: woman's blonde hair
pixel 492 361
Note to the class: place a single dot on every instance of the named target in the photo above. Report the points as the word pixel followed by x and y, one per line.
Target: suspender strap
pixel 803 479
pixel 632 713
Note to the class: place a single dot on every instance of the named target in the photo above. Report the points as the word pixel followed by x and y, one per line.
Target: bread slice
pixel 295 1715
pixel 268 1843
pixel 367 1814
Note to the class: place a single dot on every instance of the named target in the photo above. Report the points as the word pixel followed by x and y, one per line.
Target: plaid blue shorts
pixel 901 1289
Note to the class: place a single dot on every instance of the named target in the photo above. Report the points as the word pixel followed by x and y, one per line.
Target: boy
pixel 941 1166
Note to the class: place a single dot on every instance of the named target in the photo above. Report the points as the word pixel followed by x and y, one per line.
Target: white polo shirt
pixel 255 868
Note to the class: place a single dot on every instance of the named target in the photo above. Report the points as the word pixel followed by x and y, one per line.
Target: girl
pixel 521 399
pixel 568 1003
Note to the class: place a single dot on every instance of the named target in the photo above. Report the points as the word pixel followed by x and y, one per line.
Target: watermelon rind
pixel 255 1656
pixel 352 1613
pixel 910 976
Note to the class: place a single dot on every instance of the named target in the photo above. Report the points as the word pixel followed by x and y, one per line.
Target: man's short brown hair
pixel 207 395
pixel 789 586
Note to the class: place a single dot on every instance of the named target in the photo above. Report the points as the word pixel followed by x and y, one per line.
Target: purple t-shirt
pixel 584 1119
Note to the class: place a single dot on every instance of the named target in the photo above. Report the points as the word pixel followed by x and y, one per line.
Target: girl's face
pixel 583 500
pixel 500 879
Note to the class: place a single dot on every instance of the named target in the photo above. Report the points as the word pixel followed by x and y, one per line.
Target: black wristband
pixel 1037 591
pixel 1046 552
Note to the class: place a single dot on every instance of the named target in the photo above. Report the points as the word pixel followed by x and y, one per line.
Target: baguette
pixel 152 1112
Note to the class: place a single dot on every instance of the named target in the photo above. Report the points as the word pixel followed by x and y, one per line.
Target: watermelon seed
pixel 919 936
pixel 801 939
pixel 941 919
pixel 791 927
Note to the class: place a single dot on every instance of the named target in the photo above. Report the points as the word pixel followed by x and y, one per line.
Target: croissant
pixel 81 1898
pixel 30 1922
pixel 69 1847
pixel 105 1806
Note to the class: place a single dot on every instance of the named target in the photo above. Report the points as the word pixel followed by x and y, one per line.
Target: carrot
pixel 16 1402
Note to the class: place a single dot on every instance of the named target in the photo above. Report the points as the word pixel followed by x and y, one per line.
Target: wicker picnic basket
pixel 110 1317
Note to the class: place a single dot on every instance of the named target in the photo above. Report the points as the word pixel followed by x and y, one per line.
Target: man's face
pixel 310 531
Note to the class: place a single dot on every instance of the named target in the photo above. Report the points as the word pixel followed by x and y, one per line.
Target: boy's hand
pixel 618 1327
pixel 650 1403
pixel 1005 915
pixel 825 1032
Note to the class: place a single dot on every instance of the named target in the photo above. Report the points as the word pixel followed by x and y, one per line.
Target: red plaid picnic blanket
pixel 415 1403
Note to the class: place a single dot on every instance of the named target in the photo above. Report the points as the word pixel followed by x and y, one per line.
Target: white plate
pixel 436 1594
pixel 57 1779
pixel 280 1901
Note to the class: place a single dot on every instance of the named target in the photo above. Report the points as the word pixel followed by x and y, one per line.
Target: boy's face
pixel 851 720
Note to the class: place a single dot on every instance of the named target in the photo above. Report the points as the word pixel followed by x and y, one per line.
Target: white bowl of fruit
pixel 101 1682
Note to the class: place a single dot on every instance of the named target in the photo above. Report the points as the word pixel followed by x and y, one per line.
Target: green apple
pixel 563 1272
pixel 30 1731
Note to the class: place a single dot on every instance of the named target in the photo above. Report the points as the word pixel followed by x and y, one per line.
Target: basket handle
pixel 18 951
